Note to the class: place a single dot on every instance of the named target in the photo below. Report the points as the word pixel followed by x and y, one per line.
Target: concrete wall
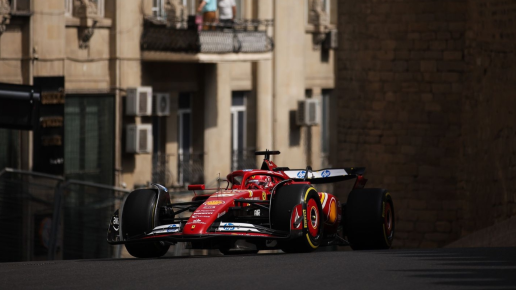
pixel 425 101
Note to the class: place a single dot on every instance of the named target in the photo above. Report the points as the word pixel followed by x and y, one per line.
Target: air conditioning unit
pixel 308 112
pixel 139 101
pixel 331 41
pixel 161 104
pixel 139 138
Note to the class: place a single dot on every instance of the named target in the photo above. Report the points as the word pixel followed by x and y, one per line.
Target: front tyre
pixel 370 219
pixel 138 218
pixel 284 209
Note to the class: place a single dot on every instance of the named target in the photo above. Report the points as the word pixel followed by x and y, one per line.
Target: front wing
pixel 218 231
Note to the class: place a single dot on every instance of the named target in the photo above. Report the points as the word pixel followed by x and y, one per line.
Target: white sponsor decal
pixel 208 206
pixel 237 227
pixel 256 212
pixel 221 214
pixel 253 198
pixel 172 228
pixel 315 174
pixel 116 226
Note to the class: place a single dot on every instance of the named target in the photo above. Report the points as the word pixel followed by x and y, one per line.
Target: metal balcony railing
pixel 245 36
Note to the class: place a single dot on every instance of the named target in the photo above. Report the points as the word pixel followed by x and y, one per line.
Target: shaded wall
pixel 487 179
pixel 399 85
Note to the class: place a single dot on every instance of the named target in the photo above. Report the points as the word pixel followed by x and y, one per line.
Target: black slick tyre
pixel 138 217
pixel 284 203
pixel 370 221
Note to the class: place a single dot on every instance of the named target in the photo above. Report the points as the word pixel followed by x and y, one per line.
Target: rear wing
pixel 325 175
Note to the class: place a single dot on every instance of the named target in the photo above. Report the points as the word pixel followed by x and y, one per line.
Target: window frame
pixel 183 113
pixel 235 110
pixel 69 8
pixel 158 9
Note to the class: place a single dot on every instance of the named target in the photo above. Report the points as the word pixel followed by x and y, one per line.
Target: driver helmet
pixel 259 181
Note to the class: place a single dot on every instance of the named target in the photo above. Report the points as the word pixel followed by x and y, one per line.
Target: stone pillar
pixel 264 83
pixel 217 121
pixel 289 81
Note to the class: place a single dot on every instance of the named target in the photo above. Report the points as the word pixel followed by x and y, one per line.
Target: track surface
pixel 482 268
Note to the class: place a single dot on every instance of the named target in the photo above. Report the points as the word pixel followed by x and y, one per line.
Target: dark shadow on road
pixel 478 268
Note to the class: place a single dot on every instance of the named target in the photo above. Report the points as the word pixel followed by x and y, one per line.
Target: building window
pixel 240 9
pixel 184 116
pixel 241 157
pixel 191 7
pixel 94 8
pixel 158 9
pixel 329 7
pixel 20 5
pixel 68 7
pixel 100 7
pixel 9 148
pixel 89 144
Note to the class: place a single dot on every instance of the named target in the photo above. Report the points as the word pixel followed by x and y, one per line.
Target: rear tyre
pixel 370 219
pixel 138 218
pixel 283 204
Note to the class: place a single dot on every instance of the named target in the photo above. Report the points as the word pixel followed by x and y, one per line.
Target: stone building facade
pixel 97 47
pixel 426 103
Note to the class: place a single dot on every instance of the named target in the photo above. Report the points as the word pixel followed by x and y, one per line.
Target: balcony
pixel 246 40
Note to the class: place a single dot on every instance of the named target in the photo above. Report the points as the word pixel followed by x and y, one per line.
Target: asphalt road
pixel 481 268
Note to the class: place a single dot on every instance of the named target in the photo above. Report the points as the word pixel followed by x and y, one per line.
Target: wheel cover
pixel 313 218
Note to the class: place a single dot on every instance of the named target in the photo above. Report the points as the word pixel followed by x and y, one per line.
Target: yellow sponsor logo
pixel 214 202
pixel 264 195
pixel 304 217
pixel 250 193
pixel 193 227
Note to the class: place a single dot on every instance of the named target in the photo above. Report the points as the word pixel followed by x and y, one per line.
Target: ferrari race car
pixel 260 209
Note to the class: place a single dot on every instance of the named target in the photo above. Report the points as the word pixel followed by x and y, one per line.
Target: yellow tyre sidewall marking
pixel 307 235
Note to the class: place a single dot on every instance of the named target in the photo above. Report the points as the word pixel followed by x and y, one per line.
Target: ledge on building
pixel 88 22
pixel 204 57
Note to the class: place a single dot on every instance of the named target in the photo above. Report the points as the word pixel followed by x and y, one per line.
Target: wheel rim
pixel 388 220
pixel 313 218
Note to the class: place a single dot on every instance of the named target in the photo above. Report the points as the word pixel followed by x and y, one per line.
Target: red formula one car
pixel 263 209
